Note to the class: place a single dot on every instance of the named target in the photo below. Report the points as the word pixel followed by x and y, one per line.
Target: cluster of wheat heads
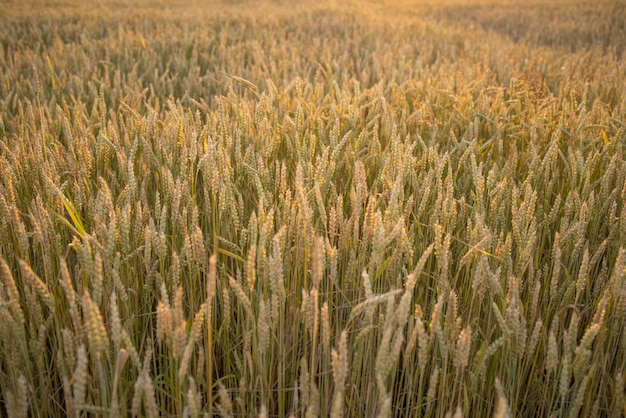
pixel 317 213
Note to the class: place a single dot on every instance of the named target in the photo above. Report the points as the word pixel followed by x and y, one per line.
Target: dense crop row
pixel 319 210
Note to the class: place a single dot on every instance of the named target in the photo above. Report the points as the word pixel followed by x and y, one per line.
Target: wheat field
pixel 313 208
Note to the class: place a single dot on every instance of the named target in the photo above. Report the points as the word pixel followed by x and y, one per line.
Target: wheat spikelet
pixel 116 324
pixel 306 310
pixel 556 265
pixel 502 406
pixel 277 280
pixel 211 291
pixel 314 315
pixel 444 263
pixel 418 330
pixel 583 273
pixel 263 328
pixel 432 385
pixel 326 331
pixel 241 296
pixel 435 317
pixel 128 343
pixel 371 301
pixel 193 399
pixel 17 404
pixel 69 352
pixel 36 283
pixel 179 340
pixel 225 406
pixel 517 325
pixel 570 335
pixel 194 336
pixel 552 354
pixel 39 343
pixel 137 397
pixel 80 377
pixel 396 346
pixel 198 323
pixel 579 399
pixel 566 366
pixel 379 235
pixel 226 312
pixel 313 407
pixel 9 330
pixel 70 293
pixel 98 277
pixel 175 270
pixel 450 325
pixel 12 293
pixel 186 252
pixel 317 262
pixel 117 281
pixel 305 381
pixel 33 307
pixel 367 285
pixel 491 350
pixel 443 345
pixel 500 319
pixel 463 346
pixel 385 408
pixel 148 233
pixel 332 255
pixel 534 304
pixel 94 325
pixel 618 283
pixel 197 244
pixel 200 371
pixel 582 351
pixel 66 283
pixel 211 279
pixel 423 342
pixel 534 337
pixel 67 395
pixel 402 314
pixel 384 360
pixel 340 373
pixel 600 313
pixel 160 244
pixel 84 253
pixel 250 270
pixel 120 362
pixel 164 322
pixel 148 388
